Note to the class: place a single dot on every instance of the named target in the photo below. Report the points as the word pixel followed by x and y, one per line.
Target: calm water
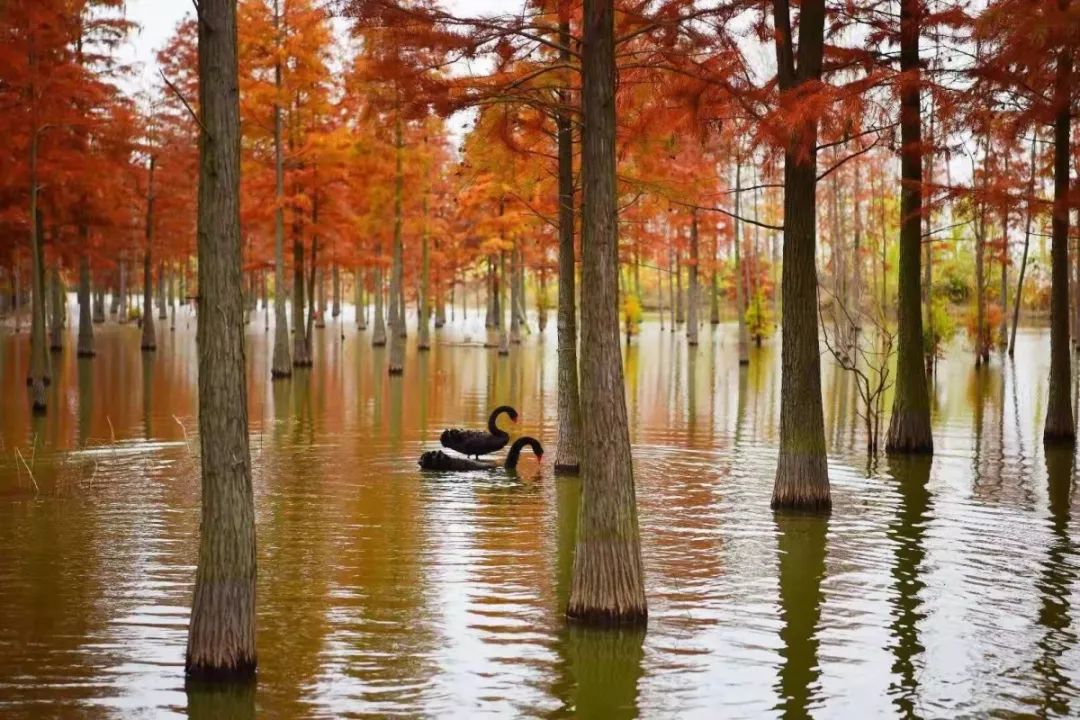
pixel 943 590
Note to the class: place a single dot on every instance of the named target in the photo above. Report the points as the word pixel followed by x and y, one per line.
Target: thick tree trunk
pixel 320 316
pixel 909 427
pixel 802 474
pixel 86 325
pixel 568 449
pixel 221 637
pixel 149 338
pixel 692 285
pixel 1059 426
pixel 608 583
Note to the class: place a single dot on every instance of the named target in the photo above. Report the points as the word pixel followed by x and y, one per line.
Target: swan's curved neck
pixel 493 427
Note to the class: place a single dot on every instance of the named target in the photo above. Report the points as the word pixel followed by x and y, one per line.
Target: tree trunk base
pixel 802 483
pixel 37 396
pixel 242 672
pixel 1059 438
pixel 909 434
pixel 280 374
pixel 395 370
pixel 86 353
pixel 567 468
pixel 148 348
pixel 608 618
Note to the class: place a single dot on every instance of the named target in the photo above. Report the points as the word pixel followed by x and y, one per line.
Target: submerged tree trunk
pixel 59 302
pixel 336 309
pixel 149 338
pixel 500 295
pixel 608 583
pixel 396 365
pixel 680 311
pixel 86 325
pixel 516 292
pixel 423 333
pixel 568 449
pixel 378 335
pixel 39 358
pixel 221 636
pixel 300 343
pixel 281 364
pixel 743 341
pixel 909 427
pixel 692 284
pixel 1059 426
pixel 802 474
pixel 1027 244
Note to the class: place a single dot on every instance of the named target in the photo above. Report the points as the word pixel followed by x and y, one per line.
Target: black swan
pixel 477 442
pixel 438 460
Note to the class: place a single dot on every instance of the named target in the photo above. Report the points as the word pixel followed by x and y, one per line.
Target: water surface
pixel 943 589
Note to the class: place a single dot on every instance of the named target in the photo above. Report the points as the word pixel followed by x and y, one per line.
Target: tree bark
pixel 500 295
pixel 149 338
pixel 281 364
pixel 221 636
pixel 39 359
pixel 1059 428
pixel 568 448
pixel 86 325
pixel 516 292
pixel 802 475
pixel 740 274
pixel 59 310
pixel 423 333
pixel 378 335
pixel 608 584
pixel 692 284
pixel 396 366
pixel 300 344
pixel 909 426
pixel 1027 244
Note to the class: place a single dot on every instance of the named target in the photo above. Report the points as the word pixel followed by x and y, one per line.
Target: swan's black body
pixel 476 442
pixel 440 461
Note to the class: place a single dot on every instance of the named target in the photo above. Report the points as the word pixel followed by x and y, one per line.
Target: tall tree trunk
pixel 680 309
pixel 1059 426
pixel 172 301
pixel 149 338
pixel 163 311
pixel 99 305
pixel 423 333
pixel 909 427
pixel 1027 244
pixel 740 272
pixel 86 325
pixel 336 309
pixel 59 310
pixel 692 284
pixel 378 334
pixel 500 295
pixel 221 637
pixel 300 344
pixel 397 303
pixel 516 292
pixel 608 583
pixel 39 358
pixel 802 474
pixel 568 449
pixel 320 315
pixel 281 364
pixel 122 305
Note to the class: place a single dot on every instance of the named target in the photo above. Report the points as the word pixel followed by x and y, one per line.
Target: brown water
pixel 943 590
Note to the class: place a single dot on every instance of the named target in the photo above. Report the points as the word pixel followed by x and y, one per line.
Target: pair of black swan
pixel 477 443
pixel 440 461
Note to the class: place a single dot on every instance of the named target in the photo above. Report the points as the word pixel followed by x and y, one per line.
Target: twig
pixel 180 96
pixel 28 470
